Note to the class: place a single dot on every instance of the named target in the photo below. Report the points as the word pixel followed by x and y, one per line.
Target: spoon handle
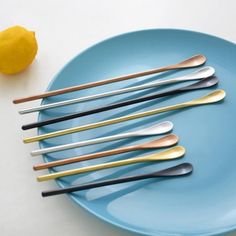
pixel 96 184
pixel 108 81
pixel 105 123
pixel 101 109
pixel 82 143
pixel 118 181
pixel 92 168
pixel 86 157
pixel 102 95
pixel 92 84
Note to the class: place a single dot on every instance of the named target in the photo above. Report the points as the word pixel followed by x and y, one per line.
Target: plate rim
pixel 222 230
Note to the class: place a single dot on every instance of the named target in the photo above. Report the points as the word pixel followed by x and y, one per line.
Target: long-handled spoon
pixel 196 75
pixel 194 61
pixel 157 129
pixel 212 97
pixel 166 141
pixel 174 171
pixel 204 83
pixel 168 154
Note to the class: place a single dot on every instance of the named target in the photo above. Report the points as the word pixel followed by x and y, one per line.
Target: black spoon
pixel 204 83
pixel 175 171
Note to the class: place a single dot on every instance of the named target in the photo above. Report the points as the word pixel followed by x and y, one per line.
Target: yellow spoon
pixel 168 154
pixel 212 97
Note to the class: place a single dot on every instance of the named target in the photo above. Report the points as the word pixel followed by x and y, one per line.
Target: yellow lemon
pixel 18 48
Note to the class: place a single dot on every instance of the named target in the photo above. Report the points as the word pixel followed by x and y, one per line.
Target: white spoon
pixel 160 128
pixel 199 74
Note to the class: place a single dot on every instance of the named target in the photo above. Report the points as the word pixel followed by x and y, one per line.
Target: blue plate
pixel 201 204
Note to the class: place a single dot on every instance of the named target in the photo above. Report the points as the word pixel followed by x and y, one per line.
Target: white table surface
pixel 63 29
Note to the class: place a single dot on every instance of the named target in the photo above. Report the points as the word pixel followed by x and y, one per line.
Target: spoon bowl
pixel 169 154
pixel 160 128
pixel 202 73
pixel 196 60
pixel 179 170
pixel 212 97
pixel 203 83
pixel 165 141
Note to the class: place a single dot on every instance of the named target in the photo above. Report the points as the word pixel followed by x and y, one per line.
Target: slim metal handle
pixel 101 95
pixel 95 84
pixel 91 168
pixel 86 157
pixel 81 144
pixel 106 122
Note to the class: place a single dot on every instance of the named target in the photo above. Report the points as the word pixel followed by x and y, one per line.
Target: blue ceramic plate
pixel 201 204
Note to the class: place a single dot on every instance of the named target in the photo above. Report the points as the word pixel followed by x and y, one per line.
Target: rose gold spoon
pixel 165 141
pixel 169 154
pixel 188 63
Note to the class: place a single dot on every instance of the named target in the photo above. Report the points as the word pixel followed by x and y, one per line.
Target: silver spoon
pixel 196 75
pixel 160 128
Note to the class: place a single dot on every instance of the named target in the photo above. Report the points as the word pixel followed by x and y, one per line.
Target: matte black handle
pixel 178 170
pixel 100 109
pixel 95 185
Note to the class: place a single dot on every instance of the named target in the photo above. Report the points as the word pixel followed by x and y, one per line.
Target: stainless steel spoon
pixel 160 128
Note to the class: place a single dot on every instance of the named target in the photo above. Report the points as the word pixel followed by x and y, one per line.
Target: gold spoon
pixel 194 61
pixel 212 97
pixel 169 154
pixel 165 141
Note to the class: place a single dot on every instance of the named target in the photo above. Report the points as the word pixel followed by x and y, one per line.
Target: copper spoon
pixel 166 141
pixel 188 63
